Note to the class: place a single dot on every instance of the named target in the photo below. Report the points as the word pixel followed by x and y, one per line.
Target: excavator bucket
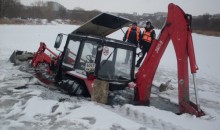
pixel 19 56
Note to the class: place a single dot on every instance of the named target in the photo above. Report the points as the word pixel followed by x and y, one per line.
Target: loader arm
pixel 41 57
pixel 177 28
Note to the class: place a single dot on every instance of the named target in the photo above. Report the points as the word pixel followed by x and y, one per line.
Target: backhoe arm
pixel 177 29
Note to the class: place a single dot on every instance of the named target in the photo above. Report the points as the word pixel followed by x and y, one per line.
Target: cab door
pixel 71 52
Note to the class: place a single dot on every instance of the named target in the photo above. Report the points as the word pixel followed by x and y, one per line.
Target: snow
pixel 98 114
pixel 38 107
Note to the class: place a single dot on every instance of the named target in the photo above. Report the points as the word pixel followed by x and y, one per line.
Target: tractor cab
pixel 88 54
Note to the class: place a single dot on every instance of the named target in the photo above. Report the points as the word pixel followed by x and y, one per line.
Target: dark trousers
pixel 145 48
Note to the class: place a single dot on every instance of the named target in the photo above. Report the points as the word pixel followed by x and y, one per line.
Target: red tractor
pixel 89 55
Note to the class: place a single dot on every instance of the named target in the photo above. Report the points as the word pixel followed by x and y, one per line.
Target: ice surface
pixel 37 107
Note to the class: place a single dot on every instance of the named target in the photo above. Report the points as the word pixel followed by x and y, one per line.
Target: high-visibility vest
pixel 137 33
pixel 147 36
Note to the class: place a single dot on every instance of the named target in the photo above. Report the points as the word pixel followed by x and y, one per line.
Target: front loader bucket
pixel 19 56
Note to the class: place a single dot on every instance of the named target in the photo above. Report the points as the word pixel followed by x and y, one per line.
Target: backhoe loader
pixel 89 55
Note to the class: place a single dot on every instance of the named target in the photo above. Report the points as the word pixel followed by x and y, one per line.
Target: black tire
pixel 73 88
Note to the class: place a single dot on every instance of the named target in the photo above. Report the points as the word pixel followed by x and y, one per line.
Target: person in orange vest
pixel 147 38
pixel 132 35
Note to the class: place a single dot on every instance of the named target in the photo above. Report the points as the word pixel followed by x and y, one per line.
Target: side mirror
pixel 58 41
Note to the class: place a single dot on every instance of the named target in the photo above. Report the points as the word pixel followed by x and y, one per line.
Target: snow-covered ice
pixel 38 107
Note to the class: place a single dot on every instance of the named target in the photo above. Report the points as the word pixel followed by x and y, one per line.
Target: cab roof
pixel 102 25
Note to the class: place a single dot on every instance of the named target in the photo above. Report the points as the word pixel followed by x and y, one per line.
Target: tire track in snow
pixel 139 117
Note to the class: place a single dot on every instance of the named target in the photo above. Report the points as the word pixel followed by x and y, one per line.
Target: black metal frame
pixel 101 42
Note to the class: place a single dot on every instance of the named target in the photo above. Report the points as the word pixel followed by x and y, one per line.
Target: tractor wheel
pixel 73 88
pixel 76 89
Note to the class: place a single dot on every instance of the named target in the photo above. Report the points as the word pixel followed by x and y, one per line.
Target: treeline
pixel 43 10
pixel 52 10
pixel 206 22
pixel 157 19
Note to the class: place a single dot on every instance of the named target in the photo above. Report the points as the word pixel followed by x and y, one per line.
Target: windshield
pixel 87 58
pixel 115 64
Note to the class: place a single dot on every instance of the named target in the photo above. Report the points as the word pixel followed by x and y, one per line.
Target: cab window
pixel 112 65
pixel 71 53
pixel 87 58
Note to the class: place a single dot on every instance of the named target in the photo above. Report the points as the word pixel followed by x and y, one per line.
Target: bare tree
pixel 4 5
pixel 10 8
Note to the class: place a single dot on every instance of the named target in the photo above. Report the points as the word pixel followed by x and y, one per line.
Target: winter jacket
pixel 133 35
pixel 146 32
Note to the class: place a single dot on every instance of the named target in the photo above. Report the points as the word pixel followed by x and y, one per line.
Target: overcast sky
pixel 194 7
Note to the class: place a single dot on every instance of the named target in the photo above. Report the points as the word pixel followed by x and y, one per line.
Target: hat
pixel 134 23
pixel 148 23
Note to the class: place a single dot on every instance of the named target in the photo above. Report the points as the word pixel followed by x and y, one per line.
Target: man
pixel 132 36
pixel 146 40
